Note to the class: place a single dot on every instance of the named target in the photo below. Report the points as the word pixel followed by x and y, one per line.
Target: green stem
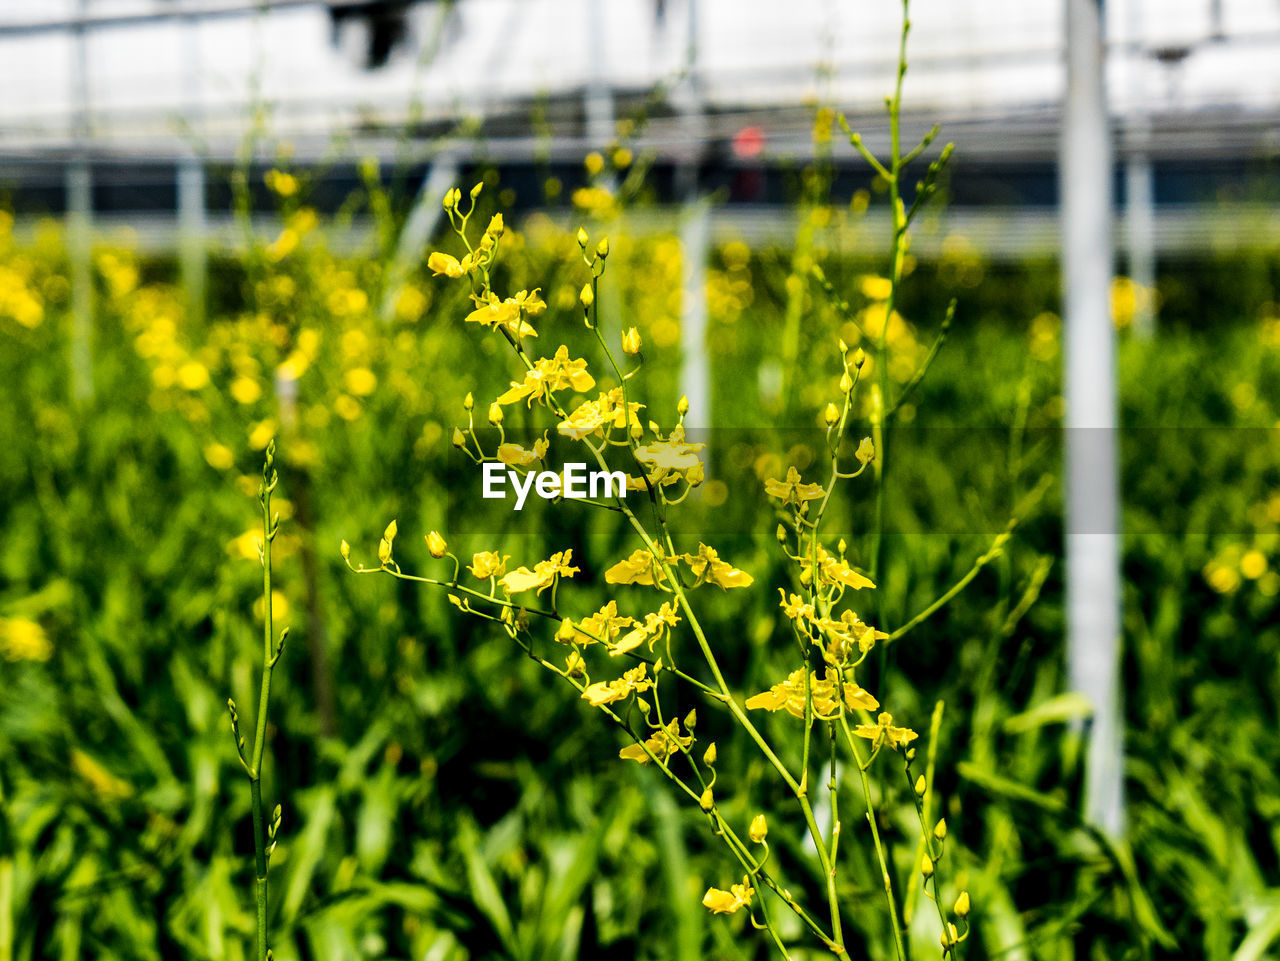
pixel 875 837
pixel 260 865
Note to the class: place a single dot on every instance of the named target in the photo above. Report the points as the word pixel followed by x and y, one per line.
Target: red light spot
pixel 748 142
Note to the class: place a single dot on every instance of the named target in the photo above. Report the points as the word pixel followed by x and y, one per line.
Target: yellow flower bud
pixel 495 414
pixel 842 546
pixel 920 785
pixel 706 802
pixel 631 341
pixel 782 534
pixel 866 451
pixel 709 758
pixel 962 905
pixel 390 533
pixel 566 631
pixel 691 719
pixel 496 226
pixel 602 248
pixel 846 383
pixel 926 866
pixel 345 550
pixel 468 402
pixel 475 191
pixel 859 357
pixel 940 829
pixel 831 416
pixel 458 440
pixel 451 198
pixel 949 937
pixel 759 829
pixel 586 295
pixel 436 544
pixel 682 407
pixel 384 552
pixel 582 238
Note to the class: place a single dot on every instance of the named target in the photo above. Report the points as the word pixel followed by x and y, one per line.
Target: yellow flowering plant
pixel 664 465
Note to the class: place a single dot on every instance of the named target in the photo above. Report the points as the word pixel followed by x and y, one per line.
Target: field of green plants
pixel 450 778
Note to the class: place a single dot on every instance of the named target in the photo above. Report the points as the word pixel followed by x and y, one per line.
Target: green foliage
pixel 443 797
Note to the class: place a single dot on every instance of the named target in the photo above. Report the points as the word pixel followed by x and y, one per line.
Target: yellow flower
pixel 384 545
pixel 833 571
pixel 246 546
pixel 795 608
pixel 640 568
pixel 594 163
pixel 261 434
pixel 286 185
pixel 529 301
pixel 504 314
pixel 847 633
pixel 487 564
pixel 245 390
pixel 346 407
pixel 548 375
pixel 360 381
pixel 662 743
pixel 542 576
pixel 707 567
pixel 436 544
pixel 631 341
pixel 219 456
pixel 884 729
pixel 876 288
pixel 866 451
pixel 727 902
pixel 607 411
pixel 792 487
pixel 513 455
pixel 607 692
pixel 193 375
pixel 654 628
pixel 789 696
pixel 604 626
pixel 671 456
pixel 24 640
pixel 440 263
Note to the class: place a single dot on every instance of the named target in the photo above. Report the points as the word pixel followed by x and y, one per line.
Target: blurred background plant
pixel 445 800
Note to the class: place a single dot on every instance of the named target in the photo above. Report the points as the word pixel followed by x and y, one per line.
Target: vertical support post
pixel 695 240
pixel 695 366
pixel 191 209
pixel 1092 484
pixel 1140 227
pixel 79 215
pixel 599 93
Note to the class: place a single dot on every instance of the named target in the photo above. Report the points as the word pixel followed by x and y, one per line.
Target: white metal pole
pixel 695 241
pixel 599 92
pixel 191 209
pixel 1139 188
pixel 79 215
pixel 1092 485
